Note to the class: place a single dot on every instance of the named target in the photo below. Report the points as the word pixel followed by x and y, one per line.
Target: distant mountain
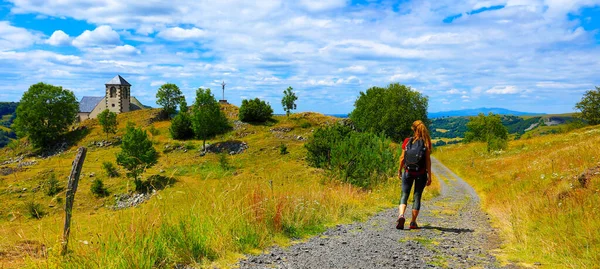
pixel 343 116
pixel 476 111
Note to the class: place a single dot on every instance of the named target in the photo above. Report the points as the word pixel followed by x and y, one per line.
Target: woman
pixel 418 173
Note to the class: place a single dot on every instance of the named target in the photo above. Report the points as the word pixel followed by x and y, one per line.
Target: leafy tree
pixel 289 100
pixel 169 96
pixel 108 121
pixel 183 107
pixel 390 110
pixel 255 111
pixel 181 127
pixel 487 129
pixel 590 106
pixel 45 113
pixel 207 118
pixel 137 152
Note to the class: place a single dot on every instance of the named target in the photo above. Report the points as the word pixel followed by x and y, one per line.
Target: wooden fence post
pixel 71 189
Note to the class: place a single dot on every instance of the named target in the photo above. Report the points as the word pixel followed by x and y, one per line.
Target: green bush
pixel 590 106
pixel 487 129
pixel 52 186
pixel 181 127
pixel 361 159
pixel 98 188
pixel 34 210
pixel 224 161
pixel 110 169
pixel 390 110
pixel 153 130
pixel 283 149
pixel 155 182
pixel 305 125
pixel 255 111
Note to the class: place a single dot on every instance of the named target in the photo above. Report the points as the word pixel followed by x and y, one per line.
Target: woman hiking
pixel 416 162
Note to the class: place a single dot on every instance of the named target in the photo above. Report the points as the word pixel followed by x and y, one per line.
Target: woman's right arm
pixel 401 164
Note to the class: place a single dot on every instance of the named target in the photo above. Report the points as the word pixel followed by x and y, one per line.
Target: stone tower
pixel 118 95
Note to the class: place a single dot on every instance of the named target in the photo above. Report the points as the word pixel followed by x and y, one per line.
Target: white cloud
pixel 403 77
pixel 455 91
pixel 178 34
pixel 503 90
pixel 322 5
pixel 102 35
pixel 59 38
pixel 12 37
pixel 157 83
pixel 354 69
pixel 125 50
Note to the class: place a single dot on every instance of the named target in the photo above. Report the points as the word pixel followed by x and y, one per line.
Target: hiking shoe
pixel 413 225
pixel 400 223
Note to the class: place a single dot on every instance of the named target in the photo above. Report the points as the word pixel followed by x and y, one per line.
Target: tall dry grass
pixel 545 212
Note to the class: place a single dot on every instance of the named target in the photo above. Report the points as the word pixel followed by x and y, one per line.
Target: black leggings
pixel 407 183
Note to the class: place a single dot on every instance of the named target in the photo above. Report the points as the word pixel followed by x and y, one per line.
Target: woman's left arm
pixel 428 160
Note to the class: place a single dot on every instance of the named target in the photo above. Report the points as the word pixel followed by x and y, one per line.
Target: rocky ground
pixel 455 233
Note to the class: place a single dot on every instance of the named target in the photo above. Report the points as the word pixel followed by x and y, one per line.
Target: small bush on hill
pixel 108 121
pixel 208 120
pixel 361 159
pixel 255 110
pixel 153 131
pixel 34 210
pixel 110 169
pixel 52 186
pixel 224 162
pixel 98 188
pixel 155 182
pixel 283 149
pixel 181 127
pixel 487 129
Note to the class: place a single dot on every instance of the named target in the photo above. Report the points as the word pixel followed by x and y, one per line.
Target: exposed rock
pixel 127 200
pixel 232 147
pixel 281 129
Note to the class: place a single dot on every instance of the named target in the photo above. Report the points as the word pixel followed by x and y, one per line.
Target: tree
pixel 390 110
pixel 590 106
pixel 181 127
pixel 255 111
pixel 207 118
pixel 183 107
pixel 487 129
pixel 45 113
pixel 289 100
pixel 108 121
pixel 169 96
pixel 137 152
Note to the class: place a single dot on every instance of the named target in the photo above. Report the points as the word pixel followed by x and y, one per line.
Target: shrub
pixel 155 182
pixel 34 210
pixel 52 186
pixel 181 127
pixel 283 149
pixel 305 125
pixel 110 169
pixel 98 188
pixel 153 130
pixel 255 111
pixel 224 162
pixel 390 110
pixel 361 159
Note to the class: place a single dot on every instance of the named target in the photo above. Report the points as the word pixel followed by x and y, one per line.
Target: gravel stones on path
pixel 454 233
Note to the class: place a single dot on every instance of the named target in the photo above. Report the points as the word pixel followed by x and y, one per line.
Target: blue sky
pixel 527 55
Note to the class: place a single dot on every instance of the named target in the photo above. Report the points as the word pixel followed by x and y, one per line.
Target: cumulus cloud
pixel 321 5
pixel 59 38
pixel 503 90
pixel 12 37
pixel 178 34
pixel 102 35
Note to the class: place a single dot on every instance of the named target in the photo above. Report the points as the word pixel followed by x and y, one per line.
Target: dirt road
pixel 455 233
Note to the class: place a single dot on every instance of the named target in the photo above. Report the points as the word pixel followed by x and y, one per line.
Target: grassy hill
pixel 209 216
pixel 452 128
pixel 543 194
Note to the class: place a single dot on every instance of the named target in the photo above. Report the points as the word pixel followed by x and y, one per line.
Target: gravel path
pixel 455 234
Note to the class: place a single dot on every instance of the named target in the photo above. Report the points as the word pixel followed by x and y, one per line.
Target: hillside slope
pixel 209 216
pixel 544 195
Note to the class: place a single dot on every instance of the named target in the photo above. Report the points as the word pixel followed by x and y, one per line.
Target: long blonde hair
pixel 421 132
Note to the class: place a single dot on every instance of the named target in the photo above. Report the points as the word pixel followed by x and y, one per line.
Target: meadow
pixel 211 216
pixel 543 194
